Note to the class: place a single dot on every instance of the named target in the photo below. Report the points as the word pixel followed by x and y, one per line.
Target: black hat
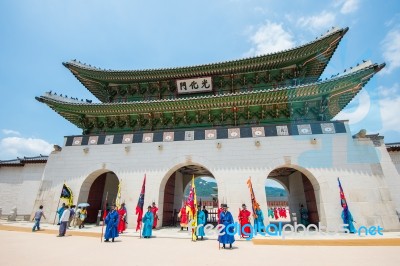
pixel 225 205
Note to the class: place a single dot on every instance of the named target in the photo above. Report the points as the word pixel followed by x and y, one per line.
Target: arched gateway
pixel 300 190
pixel 94 190
pixel 173 188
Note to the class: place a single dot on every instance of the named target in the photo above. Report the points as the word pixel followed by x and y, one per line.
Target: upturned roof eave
pixel 94 109
pixel 103 75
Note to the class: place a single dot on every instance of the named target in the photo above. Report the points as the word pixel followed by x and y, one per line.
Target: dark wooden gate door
pixel 310 200
pixel 168 210
pixel 95 198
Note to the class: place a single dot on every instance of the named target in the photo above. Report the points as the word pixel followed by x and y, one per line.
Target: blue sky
pixel 37 36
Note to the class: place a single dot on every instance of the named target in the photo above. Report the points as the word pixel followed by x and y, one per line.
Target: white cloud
pixel 269 38
pixel 389 104
pixel 10 132
pixel 348 6
pixel 357 113
pixel 391 50
pixel 384 119
pixel 323 21
pixel 12 147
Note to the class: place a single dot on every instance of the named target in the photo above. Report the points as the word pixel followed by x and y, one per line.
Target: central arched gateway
pixel 300 191
pixel 94 190
pixel 173 197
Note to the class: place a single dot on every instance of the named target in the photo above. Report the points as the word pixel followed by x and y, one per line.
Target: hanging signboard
pixel 194 85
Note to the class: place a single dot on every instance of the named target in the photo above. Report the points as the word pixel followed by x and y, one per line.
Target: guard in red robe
pixel 122 219
pixel 184 218
pixel 221 209
pixel 244 218
pixel 154 210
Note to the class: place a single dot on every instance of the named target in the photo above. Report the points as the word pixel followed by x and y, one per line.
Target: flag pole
pixel 140 230
pixel 58 204
pixel 102 227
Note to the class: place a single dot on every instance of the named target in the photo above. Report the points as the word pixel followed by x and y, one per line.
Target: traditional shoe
pixel 112 240
pixel 230 246
pixel 106 240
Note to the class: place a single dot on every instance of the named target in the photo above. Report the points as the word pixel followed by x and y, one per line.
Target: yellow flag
pixel 118 199
pixel 191 208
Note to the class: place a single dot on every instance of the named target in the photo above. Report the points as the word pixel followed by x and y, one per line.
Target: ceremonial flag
pixel 342 197
pixel 191 203
pixel 118 199
pixel 66 193
pixel 105 207
pixel 254 203
pixel 139 206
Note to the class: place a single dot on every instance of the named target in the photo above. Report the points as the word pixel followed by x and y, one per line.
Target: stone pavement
pixel 19 246
pixel 175 232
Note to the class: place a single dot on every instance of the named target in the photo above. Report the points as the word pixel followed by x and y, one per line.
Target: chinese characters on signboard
pixel 202 84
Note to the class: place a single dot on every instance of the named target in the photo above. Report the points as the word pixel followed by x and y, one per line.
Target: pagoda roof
pixel 336 93
pixel 312 58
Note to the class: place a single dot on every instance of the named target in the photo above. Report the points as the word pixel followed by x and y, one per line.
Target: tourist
pixel 276 216
pixel 226 219
pixel 244 219
pixel 77 218
pixel 303 215
pixel 60 212
pixel 71 215
pixel 64 221
pixel 183 218
pixel 206 214
pixel 148 223
pixel 201 220
pixel 38 215
pixel 154 210
pixel 82 217
pixel 271 213
pixel 122 219
pixel 259 219
pixel 111 221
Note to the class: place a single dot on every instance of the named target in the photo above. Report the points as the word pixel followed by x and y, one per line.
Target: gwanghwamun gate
pixel 264 117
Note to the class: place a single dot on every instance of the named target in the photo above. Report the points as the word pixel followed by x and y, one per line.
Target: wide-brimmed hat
pixel 225 206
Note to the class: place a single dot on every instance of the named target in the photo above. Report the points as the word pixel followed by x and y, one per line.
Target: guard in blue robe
pixel 348 219
pixel 111 221
pixel 226 219
pixel 259 221
pixel 148 220
pixel 304 216
pixel 201 221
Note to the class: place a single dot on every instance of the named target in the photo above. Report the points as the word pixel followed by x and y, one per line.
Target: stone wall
pixel 19 187
pixel 321 158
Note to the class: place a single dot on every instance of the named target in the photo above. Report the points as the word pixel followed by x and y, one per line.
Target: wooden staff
pixel 58 204
pixel 102 227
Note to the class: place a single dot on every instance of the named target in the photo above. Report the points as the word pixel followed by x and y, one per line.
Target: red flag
pixel 105 208
pixel 139 206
